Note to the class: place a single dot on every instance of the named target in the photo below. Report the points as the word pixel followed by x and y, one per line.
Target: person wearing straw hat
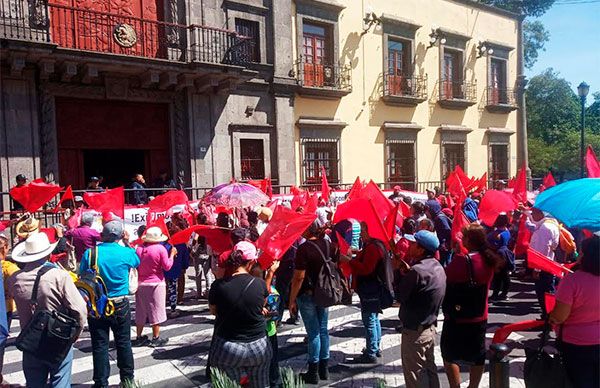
pixel 150 298
pixel 56 292
pixel 114 262
pixel 26 227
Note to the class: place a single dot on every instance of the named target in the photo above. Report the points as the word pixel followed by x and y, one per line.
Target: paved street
pixel 181 363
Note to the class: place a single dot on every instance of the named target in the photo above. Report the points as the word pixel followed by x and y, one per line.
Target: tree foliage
pixel 535 37
pixel 533 8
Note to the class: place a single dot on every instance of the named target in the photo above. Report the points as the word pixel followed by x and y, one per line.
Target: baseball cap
pixel 426 239
pixel 21 177
pixel 94 179
pixel 430 190
pixel 397 188
pixel 248 250
pixel 112 231
pixel 78 198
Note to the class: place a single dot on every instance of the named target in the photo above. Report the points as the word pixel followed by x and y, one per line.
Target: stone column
pixel 522 151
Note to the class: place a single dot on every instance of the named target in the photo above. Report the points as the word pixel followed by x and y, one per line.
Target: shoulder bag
pixel 544 368
pixel 465 300
pixel 49 335
pixel 331 287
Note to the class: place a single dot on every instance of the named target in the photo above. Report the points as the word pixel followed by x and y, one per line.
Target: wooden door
pixel 315 54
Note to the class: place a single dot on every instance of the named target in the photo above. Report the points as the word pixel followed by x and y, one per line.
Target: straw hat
pixel 26 227
pixel 154 235
pixel 36 247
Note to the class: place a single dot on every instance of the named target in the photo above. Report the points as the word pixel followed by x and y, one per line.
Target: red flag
pixel 344 248
pixel 536 260
pixel 405 209
pixel 285 227
pixel 511 183
pixel 593 166
pixel 459 222
pixel 455 185
pixel 35 194
pixel 312 202
pixel 549 181
pixel 164 202
pixel 75 220
pixel 481 183
pixel 392 220
pixel 295 190
pixel 325 189
pixel 218 238
pixel 4 224
pixel 363 210
pixel 355 189
pixel 523 237
pixel 493 203
pixel 549 301
pixel 273 205
pixel 501 334
pixel 520 188
pixel 112 200
pixel 264 185
pixel 68 195
pixel 159 223
pixel 383 205
pixel 299 200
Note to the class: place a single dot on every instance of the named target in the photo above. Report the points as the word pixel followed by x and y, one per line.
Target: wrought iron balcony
pixel 323 79
pixel 404 90
pixel 457 94
pixel 500 100
pixel 95 31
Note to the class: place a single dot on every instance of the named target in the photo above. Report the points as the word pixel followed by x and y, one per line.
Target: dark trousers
pixel 582 364
pixel 274 373
pixel 120 324
pixel 501 282
pixel 545 284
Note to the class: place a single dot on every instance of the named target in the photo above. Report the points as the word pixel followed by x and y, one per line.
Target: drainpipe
pixel 522 151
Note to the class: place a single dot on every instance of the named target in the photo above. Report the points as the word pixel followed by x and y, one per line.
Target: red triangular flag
pixel 159 223
pixel 536 260
pixel 218 238
pixel 325 189
pixel 285 227
pixel 344 248
pixel 273 205
pixel 549 181
pixel 4 224
pixel 35 194
pixel 68 195
pixel 520 187
pixel 75 220
pixel 455 185
pixel 459 222
pixel 383 205
pixel 355 189
pixel 405 209
pixel 523 237
pixel 481 183
pixel 164 202
pixel 112 200
pixel 593 166
pixel 363 210
pixel 295 190
pixel 312 202
pixel 493 203
pixel 392 220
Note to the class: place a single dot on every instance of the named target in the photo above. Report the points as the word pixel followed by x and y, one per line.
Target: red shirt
pixel 366 261
pixel 456 272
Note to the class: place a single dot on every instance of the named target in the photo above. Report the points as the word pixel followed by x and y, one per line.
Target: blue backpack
pixel 92 288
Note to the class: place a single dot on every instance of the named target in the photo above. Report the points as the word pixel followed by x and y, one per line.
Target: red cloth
pixel 299 200
pixel 366 261
pixel 382 204
pixel 520 188
pixel 344 248
pixel 511 183
pixel 401 249
pixel 362 210
pixel 536 260
pixel 501 334
pixel 549 181
pixel 51 233
pixel 493 203
pixel 75 220
pixel 459 222
pixel 164 202
pixel 592 164
pixel 285 227
pixel 264 185
pixel 456 272
pixel 295 190
pixel 405 209
pixel 34 195
pixel 218 238
pixel 549 301
pixel 112 200
pixel 68 195
pixel 391 221
pixel 356 188
pixel 325 189
pixel 523 237
pixel 312 202
pixel 273 205
pixel 4 224
pixel 159 223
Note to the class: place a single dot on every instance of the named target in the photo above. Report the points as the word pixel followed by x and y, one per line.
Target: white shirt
pixel 545 236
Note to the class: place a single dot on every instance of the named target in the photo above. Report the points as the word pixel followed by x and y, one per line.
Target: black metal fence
pixel 405 85
pixel 458 90
pixel 323 75
pixel 500 96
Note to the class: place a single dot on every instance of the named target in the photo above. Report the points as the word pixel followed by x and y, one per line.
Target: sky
pixel 574 46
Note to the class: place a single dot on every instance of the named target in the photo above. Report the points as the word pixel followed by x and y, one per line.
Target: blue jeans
pixel 373 332
pixel 37 371
pixel 120 324
pixel 315 322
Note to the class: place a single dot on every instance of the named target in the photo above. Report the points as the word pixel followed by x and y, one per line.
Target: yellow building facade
pixel 402 91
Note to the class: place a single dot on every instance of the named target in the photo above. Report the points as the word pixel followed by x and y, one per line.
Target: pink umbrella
pixel 236 195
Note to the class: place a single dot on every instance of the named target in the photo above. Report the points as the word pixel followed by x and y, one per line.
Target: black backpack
pixel 385 275
pixel 331 287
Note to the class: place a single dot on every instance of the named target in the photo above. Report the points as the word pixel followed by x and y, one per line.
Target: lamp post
pixel 582 90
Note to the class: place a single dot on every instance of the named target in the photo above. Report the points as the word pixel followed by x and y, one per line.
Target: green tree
pixel 533 8
pixel 535 37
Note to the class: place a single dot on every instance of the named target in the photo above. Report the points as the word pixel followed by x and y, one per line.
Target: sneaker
pixel 140 341
pixel 503 297
pixel 158 342
pixel 174 314
pixel 291 321
pixel 365 359
pixel 378 354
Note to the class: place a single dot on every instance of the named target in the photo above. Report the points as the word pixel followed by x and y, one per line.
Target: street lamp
pixel 582 90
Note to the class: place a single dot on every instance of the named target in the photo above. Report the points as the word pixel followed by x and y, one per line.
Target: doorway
pixel 117 167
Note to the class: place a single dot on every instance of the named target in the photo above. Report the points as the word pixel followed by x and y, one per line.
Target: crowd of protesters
pixel 428 262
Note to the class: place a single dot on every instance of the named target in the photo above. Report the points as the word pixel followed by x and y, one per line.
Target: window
pixel 497 82
pixel 399 69
pixel 317 154
pixel 317 56
pixel 401 163
pixel 452 75
pixel 499 162
pixel 453 154
pixel 251 29
pixel 252 159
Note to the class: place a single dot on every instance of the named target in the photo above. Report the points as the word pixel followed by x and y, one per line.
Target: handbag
pixel 133 281
pixel 71 264
pixel 465 300
pixel 544 368
pixel 49 335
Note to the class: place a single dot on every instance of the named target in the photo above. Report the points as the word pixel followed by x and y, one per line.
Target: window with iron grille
pixel 250 29
pixel 401 162
pixel 317 154
pixel 499 162
pixel 252 159
pixel 453 154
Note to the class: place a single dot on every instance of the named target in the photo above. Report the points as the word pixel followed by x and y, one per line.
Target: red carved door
pixel 314 55
pixel 113 26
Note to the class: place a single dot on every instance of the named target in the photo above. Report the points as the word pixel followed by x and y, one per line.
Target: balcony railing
pixel 333 77
pixel 457 94
pixel 90 30
pixel 500 99
pixel 405 86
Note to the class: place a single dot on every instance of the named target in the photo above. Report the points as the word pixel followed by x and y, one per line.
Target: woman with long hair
pixel 463 340
pixel 240 346
pixel 577 311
